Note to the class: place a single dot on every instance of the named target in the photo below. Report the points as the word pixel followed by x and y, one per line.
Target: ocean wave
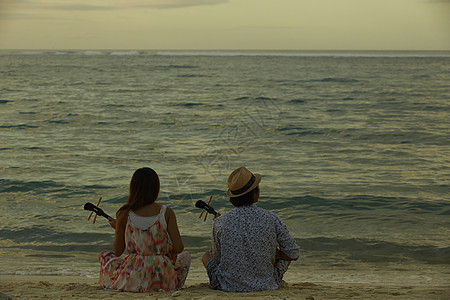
pixel 75 83
pixel 297 101
pixel 293 130
pixel 94 52
pixel 127 53
pixel 191 75
pixel 184 202
pixel 27 112
pixel 332 79
pixel 190 104
pixel 123 91
pixel 376 251
pixel 10 186
pixel 352 205
pixel 260 98
pixel 49 238
pixel 20 126
pixel 42 239
pixel 57 190
pixel 169 67
pixel 58 122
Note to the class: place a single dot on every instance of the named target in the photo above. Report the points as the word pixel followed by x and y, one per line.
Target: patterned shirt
pixel 244 242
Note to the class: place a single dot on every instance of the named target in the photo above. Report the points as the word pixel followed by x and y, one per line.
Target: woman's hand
pixel 112 222
pixel 174 233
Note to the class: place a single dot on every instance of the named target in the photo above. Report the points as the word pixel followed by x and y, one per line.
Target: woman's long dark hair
pixel 144 189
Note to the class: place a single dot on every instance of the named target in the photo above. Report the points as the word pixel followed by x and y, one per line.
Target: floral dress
pixel 147 267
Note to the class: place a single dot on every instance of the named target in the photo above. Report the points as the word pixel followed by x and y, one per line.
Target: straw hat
pixel 241 181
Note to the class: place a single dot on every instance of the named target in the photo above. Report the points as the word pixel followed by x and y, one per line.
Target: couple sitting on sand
pixel 251 247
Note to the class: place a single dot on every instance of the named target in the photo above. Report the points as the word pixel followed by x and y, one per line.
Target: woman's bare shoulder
pixel 169 212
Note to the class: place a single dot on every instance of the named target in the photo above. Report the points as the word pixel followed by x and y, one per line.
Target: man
pixel 251 247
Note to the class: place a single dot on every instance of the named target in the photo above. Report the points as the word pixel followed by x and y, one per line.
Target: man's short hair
pixel 245 200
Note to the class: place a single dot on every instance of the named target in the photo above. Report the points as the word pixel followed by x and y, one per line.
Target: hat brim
pixel 252 187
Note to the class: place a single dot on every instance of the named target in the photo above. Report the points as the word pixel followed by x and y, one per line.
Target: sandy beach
pixel 73 287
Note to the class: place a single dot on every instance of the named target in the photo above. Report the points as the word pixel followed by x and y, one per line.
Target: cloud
pixel 27 16
pixel 169 3
pixel 104 5
pixel 70 6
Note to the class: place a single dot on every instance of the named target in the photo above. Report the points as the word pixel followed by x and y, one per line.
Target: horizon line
pixel 218 49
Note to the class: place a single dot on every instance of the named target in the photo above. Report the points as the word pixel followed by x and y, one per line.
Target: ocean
pixel 353 148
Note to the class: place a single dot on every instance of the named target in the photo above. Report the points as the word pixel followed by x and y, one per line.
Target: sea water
pixel 353 148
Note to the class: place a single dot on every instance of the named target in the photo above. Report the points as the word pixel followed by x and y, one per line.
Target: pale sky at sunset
pixel 226 24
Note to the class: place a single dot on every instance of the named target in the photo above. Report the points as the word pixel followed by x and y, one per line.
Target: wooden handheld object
pixel 95 209
pixel 206 207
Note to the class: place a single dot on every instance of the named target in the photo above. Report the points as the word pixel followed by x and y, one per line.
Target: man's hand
pixel 283 256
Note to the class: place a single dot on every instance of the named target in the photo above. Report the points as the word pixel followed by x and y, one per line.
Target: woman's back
pixel 149 210
pixel 143 228
pixel 147 235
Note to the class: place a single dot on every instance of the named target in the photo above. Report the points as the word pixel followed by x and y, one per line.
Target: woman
pixel 244 255
pixel 144 228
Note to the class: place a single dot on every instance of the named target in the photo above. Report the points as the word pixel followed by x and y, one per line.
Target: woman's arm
pixel 174 233
pixel 119 238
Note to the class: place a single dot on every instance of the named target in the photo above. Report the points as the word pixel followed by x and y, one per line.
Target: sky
pixel 226 24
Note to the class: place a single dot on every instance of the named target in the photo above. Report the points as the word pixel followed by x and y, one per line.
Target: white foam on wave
pixel 132 52
pixel 93 52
